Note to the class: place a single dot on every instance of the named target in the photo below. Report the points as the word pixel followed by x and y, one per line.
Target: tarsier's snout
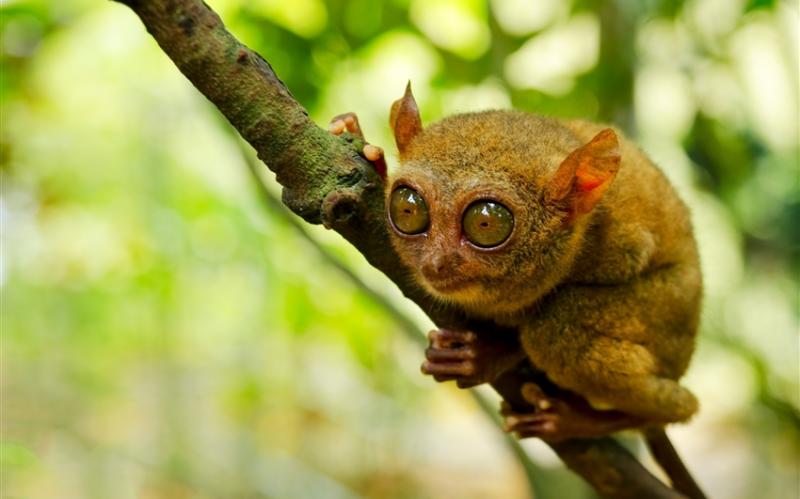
pixel 441 266
pixel 442 271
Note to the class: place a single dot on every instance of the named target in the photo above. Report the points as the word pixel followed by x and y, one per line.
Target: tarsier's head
pixel 488 208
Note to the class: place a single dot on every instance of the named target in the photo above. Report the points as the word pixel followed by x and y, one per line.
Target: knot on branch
pixel 340 207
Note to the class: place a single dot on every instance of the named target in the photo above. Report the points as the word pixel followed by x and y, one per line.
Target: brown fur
pixel 606 301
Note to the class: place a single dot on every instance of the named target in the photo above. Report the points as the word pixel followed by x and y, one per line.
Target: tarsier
pixel 564 231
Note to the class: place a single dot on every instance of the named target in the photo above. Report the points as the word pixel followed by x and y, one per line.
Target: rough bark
pixel 326 181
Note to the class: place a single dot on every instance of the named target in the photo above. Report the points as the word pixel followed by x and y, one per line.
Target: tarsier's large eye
pixel 487 224
pixel 408 211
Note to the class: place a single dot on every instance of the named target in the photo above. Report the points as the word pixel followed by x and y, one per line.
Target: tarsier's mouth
pixel 450 285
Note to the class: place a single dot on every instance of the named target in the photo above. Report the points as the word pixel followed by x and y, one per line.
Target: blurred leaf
pixel 16 457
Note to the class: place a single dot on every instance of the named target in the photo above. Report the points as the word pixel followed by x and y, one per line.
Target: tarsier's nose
pixel 439 265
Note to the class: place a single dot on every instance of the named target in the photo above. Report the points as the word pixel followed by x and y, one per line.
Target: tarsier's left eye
pixel 487 223
pixel 408 211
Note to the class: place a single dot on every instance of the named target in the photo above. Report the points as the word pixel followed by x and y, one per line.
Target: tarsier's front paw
pixel 467 358
pixel 451 356
pixel 561 418
pixel 349 122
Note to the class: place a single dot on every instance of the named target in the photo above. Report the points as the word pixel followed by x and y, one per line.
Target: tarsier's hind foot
pixel 348 122
pixel 468 358
pixel 650 401
pixel 561 418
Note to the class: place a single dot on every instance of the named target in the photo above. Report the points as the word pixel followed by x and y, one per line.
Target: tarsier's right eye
pixel 408 211
pixel 487 223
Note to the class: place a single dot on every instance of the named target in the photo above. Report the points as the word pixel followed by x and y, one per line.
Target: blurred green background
pixel 167 334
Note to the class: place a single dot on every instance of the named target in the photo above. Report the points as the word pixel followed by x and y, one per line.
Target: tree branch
pixel 326 181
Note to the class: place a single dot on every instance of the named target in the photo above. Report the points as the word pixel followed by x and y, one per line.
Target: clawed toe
pixel 534 394
pixel 434 354
pixel 448 370
pixel 345 122
pixel 372 153
pixel 336 127
pixel 529 422
pixel 544 425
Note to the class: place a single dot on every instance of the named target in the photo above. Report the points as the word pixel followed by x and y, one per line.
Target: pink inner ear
pixel 585 181
pixel 587 172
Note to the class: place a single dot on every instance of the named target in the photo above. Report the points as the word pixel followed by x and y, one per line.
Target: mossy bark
pixel 326 181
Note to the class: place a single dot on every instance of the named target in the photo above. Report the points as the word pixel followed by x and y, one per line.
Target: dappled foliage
pixel 165 334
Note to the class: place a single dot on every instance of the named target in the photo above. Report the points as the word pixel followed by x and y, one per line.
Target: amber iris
pixel 408 211
pixel 487 224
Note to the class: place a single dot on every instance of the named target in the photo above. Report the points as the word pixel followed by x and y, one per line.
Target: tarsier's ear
pixel 404 120
pixel 586 173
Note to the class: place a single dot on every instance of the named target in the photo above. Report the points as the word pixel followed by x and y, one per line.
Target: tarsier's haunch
pixel 564 231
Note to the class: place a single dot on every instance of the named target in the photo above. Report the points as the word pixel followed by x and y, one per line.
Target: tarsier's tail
pixel 667 457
